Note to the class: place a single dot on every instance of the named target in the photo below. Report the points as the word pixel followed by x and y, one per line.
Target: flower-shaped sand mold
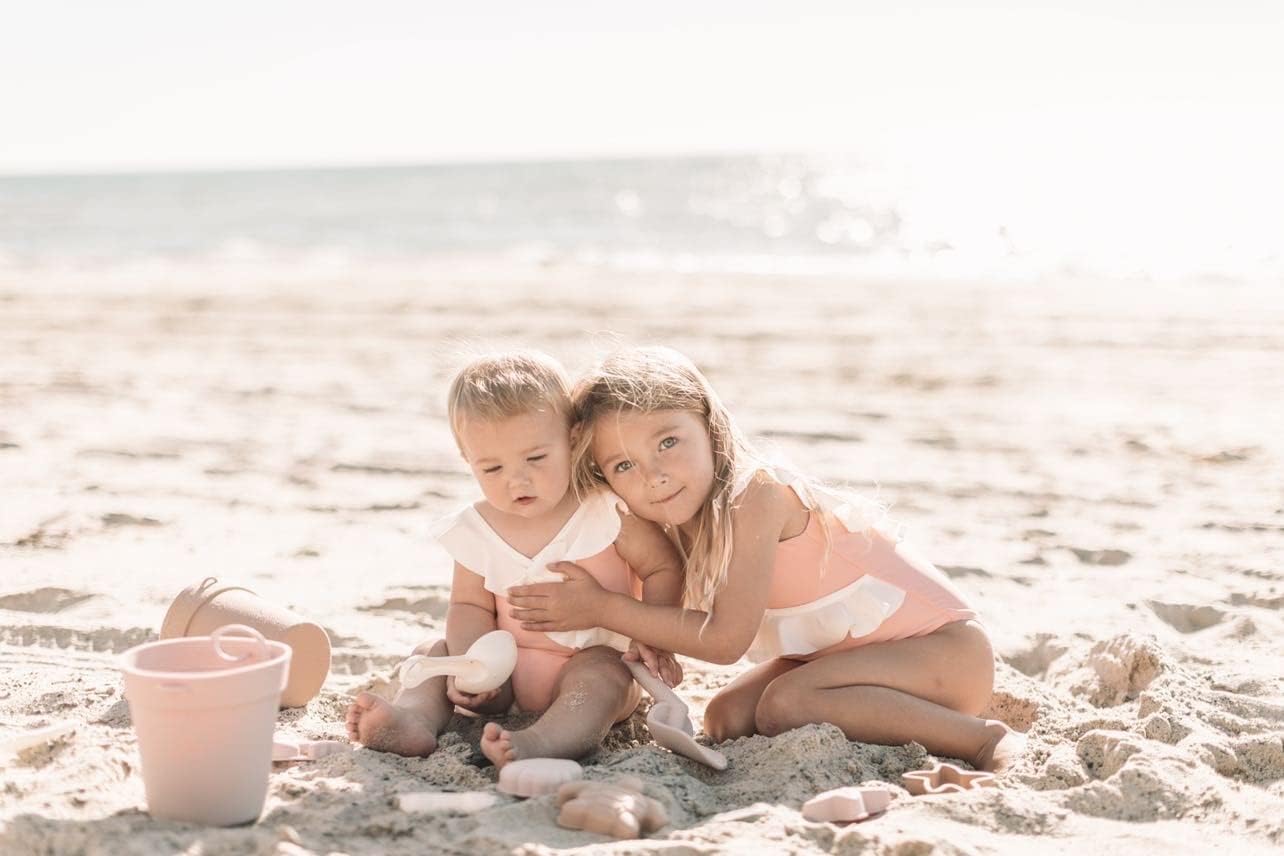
pixel 533 777
pixel 945 779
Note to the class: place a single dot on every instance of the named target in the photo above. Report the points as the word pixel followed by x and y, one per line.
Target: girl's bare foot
pixel 378 724
pixel 501 745
pixel 1001 750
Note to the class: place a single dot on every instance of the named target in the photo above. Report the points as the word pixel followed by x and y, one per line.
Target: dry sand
pixel 1097 467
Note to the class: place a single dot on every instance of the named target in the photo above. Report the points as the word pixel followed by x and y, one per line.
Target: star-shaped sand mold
pixel 945 779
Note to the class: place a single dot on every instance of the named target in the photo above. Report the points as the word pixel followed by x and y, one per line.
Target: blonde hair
pixel 648 379
pixel 498 386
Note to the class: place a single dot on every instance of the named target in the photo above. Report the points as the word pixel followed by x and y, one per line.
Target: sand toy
pixel 15 743
pixel 204 709
pixel 945 779
pixel 533 777
pixel 847 805
pixel 209 604
pixel 618 809
pixel 286 747
pixel 431 802
pixel 484 666
pixel 670 723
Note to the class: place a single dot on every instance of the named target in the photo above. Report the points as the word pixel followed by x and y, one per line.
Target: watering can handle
pixel 261 652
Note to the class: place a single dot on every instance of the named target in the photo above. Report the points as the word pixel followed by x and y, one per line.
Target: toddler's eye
pixel 534 458
pixel 491 470
pixel 668 442
pixel 622 467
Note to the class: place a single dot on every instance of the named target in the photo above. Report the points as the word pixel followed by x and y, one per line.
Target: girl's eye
pixel 622 467
pixel 534 458
pixel 668 442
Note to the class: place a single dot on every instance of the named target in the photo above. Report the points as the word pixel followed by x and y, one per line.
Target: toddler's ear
pixel 577 431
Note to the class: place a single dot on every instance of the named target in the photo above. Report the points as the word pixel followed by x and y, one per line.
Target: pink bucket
pixel 204 709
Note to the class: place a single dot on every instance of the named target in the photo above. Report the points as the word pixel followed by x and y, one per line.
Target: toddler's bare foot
pixel 501 745
pixel 377 724
pixel 1002 749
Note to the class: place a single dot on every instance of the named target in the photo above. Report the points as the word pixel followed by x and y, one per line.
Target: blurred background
pixel 1019 140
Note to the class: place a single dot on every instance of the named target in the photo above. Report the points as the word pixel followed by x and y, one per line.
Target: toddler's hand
pixel 470 701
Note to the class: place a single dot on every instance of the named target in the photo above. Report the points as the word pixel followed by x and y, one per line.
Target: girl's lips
pixel 670 497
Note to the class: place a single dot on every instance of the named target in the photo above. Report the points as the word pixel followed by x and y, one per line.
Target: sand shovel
pixel 484 666
pixel 669 722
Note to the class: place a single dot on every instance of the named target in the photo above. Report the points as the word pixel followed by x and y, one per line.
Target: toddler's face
pixel 523 463
pixel 660 463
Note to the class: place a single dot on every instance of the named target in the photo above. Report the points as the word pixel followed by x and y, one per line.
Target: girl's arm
pixel 653 558
pixel 733 620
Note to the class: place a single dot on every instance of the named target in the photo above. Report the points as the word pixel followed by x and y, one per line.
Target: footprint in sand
pixel 1185 617
pixel 109 639
pixel 1034 660
pixel 432 605
pixel 44 600
pixel 1101 557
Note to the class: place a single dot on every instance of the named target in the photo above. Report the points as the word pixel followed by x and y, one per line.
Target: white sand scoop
pixel 484 666
pixel 669 722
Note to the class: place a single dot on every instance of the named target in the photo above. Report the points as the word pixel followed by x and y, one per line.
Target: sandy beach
pixel 1096 465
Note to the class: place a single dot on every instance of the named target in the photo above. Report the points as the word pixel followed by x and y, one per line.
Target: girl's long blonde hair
pixel 649 379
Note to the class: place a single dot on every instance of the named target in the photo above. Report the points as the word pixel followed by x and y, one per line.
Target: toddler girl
pixel 847 623
pixel 510 415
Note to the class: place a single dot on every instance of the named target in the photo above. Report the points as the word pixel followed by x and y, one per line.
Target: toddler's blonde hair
pixel 496 386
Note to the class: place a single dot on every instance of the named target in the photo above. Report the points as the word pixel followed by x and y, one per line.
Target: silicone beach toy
pixel 618 809
pixel 485 665
pixel 846 805
pixel 533 777
pixel 945 779
pixel 203 607
pixel 669 721
pixel 15 743
pixel 465 802
pixel 204 709
pixel 288 748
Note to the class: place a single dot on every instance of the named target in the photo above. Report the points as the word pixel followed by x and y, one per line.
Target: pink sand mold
pixel 847 805
pixel 464 802
pixel 533 777
pixel 618 809
pixel 945 779
pixel 204 709
pixel 669 721
pixel 202 607
pixel 484 666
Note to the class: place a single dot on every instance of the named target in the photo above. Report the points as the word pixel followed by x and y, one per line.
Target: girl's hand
pixel 662 664
pixel 572 605
pixel 470 701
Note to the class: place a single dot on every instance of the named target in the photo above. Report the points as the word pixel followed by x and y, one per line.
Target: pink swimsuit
pixel 874 588
pixel 588 540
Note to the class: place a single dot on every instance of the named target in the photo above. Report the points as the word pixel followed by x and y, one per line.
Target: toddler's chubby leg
pixel 593 692
pixel 410 723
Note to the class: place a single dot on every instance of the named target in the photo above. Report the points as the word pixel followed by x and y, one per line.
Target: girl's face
pixel 660 463
pixel 522 464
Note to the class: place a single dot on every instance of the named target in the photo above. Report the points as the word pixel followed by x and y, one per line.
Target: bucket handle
pixel 261 652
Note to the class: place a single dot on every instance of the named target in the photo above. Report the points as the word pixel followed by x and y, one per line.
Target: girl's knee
pixel 779 709
pixel 727 717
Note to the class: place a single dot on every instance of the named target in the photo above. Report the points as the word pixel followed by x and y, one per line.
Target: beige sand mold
pixel 618 809
pixel 465 802
pixel 484 666
pixel 847 805
pixel 533 777
pixel 669 721
pixel 204 709
pixel 203 607
pixel 945 779
pixel 288 748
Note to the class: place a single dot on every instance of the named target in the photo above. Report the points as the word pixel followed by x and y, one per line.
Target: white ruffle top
pixel 471 542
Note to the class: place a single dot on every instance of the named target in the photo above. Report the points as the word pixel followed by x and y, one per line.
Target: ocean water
pixel 958 216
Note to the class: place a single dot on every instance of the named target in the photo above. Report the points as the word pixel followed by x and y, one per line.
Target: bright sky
pixel 158 84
